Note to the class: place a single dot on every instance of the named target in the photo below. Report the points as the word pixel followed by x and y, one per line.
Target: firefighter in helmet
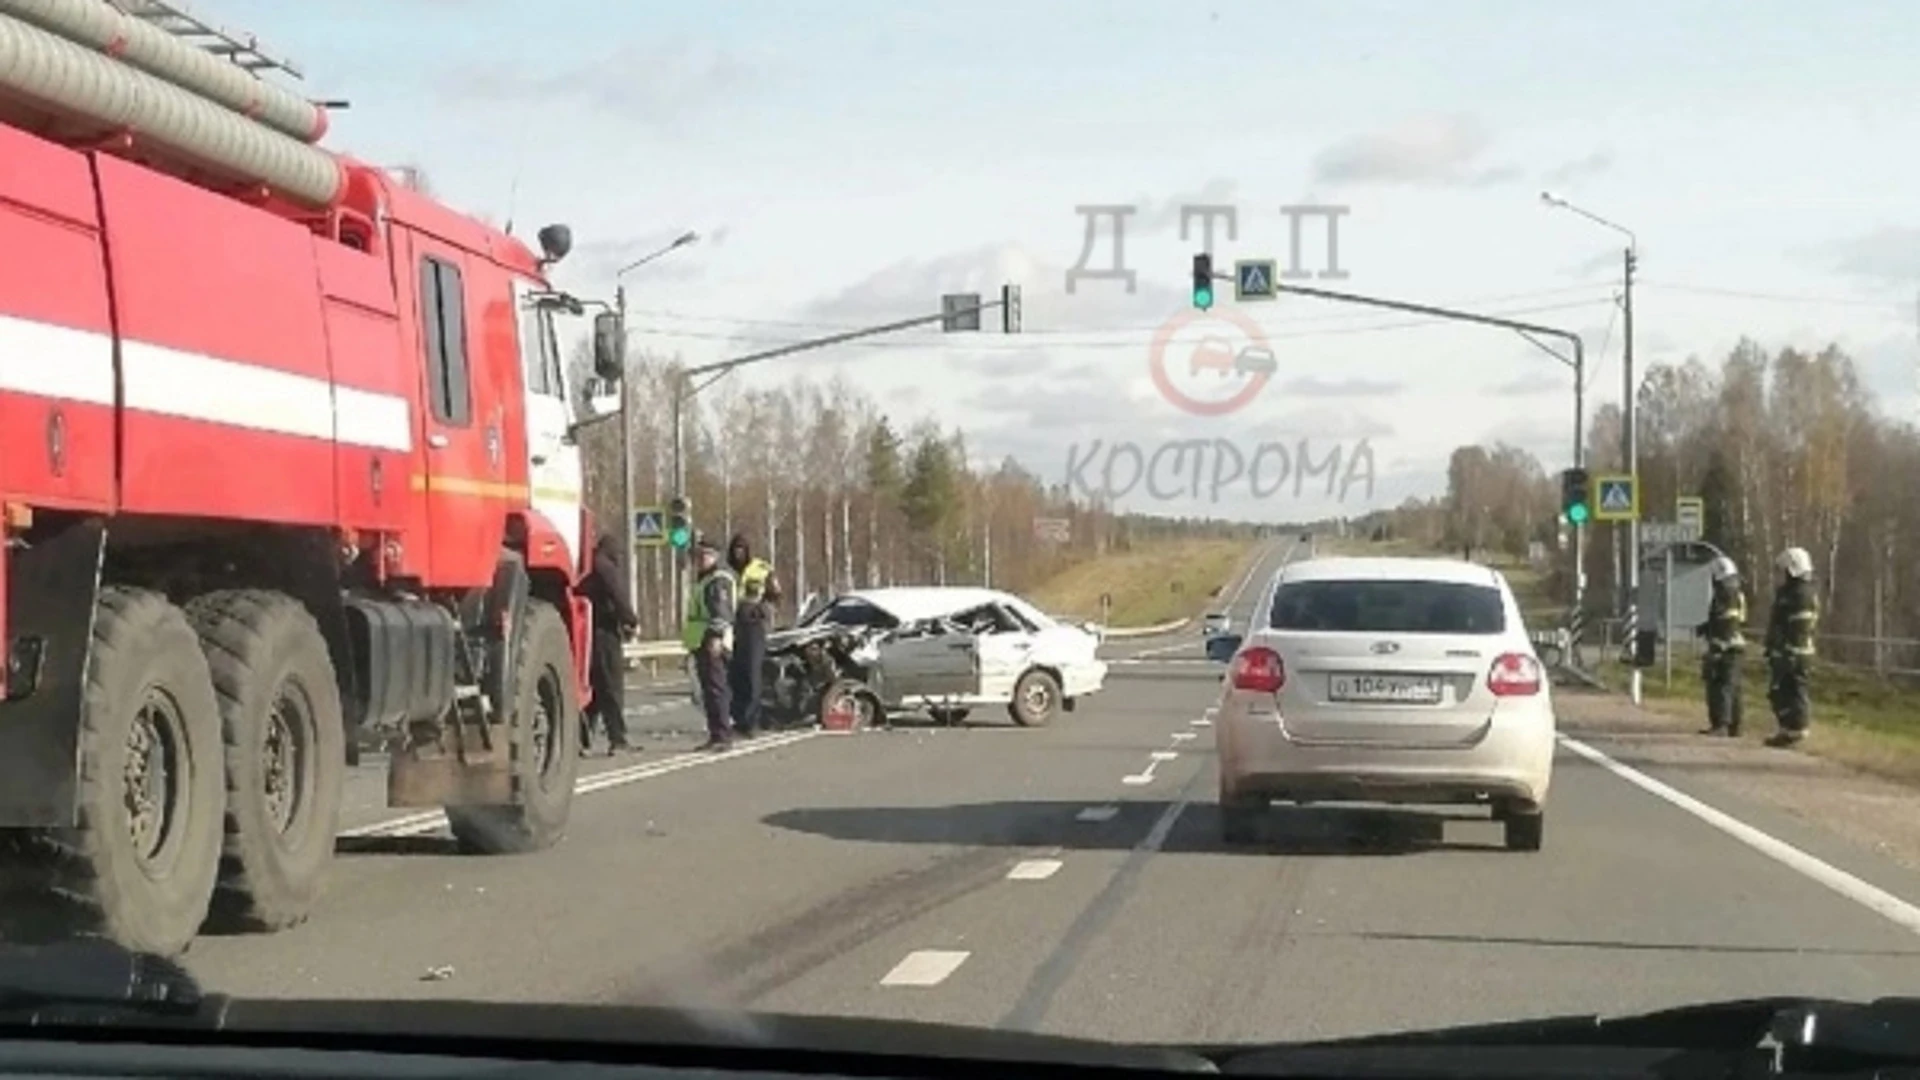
pixel 707 633
pixel 1720 663
pixel 752 620
pixel 1789 646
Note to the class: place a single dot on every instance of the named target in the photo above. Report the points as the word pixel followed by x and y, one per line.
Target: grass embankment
pixel 1152 584
pixel 1859 718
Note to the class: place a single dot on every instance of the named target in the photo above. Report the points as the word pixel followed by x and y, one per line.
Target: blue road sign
pixel 1254 279
pixel 650 526
pixel 1616 498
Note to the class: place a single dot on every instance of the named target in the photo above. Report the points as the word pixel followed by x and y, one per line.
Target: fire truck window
pixel 443 324
pixel 536 349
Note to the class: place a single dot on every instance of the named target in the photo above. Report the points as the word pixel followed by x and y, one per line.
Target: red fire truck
pixel 286 455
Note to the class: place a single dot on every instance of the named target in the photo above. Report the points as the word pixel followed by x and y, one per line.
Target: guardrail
pixel 652 654
pixel 1144 631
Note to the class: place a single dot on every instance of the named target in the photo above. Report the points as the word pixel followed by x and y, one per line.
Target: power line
pixel 1332 317
pixel 1784 298
pixel 1014 344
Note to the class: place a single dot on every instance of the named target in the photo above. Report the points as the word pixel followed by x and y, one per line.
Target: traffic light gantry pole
pixel 1204 276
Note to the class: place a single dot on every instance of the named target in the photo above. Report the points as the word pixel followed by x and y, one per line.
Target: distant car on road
pixel 1407 681
pixel 1215 623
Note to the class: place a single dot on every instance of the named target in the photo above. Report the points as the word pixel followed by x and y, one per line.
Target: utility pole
pixel 630 546
pixel 1631 391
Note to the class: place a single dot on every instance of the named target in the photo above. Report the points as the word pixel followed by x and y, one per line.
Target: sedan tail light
pixel 1514 675
pixel 1259 669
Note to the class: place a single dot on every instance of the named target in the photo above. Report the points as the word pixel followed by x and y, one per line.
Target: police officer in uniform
pixel 753 618
pixel 1790 628
pixel 707 634
pixel 1720 665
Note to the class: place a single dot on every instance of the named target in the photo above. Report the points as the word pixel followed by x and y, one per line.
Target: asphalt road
pixel 1070 879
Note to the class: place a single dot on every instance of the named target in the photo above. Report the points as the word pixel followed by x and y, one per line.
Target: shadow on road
pixel 1631 946
pixel 396 845
pixel 1287 830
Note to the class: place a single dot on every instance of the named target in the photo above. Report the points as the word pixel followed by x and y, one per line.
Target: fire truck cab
pixel 287 452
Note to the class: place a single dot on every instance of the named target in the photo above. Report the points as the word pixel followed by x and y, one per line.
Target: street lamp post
pixel 1630 448
pixel 627 528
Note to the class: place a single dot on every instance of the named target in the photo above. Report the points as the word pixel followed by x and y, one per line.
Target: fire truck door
pixel 462 441
pixel 553 466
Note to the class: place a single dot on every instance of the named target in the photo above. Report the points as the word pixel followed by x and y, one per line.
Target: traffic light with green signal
pixel 1576 497
pixel 679 523
pixel 1203 281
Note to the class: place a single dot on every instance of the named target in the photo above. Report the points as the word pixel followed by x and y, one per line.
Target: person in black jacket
pixel 614 622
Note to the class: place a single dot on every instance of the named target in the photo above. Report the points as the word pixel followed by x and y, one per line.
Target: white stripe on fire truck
pixel 77 365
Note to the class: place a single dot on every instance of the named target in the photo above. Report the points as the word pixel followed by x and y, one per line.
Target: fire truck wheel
pixel 139 869
pixel 544 744
pixel 286 754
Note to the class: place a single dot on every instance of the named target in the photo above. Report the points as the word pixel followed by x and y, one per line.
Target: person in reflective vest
pixel 707 633
pixel 1790 629
pixel 1720 663
pixel 752 620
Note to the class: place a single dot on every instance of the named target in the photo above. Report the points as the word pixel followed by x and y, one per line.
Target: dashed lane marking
pixel 1097 813
pixel 1034 870
pixel 927 967
pixel 1165 755
pixel 1183 736
pixel 432 821
pixel 1860 892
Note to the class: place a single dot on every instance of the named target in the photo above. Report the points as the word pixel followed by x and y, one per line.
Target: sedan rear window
pixel 1389 607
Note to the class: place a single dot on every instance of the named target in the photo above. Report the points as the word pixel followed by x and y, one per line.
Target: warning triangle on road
pixel 1616 498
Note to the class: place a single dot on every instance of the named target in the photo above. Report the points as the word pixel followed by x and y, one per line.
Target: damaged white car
pixel 944 651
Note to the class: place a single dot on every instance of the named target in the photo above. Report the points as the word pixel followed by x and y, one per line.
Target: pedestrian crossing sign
pixel 650 526
pixel 1253 279
pixel 1617 498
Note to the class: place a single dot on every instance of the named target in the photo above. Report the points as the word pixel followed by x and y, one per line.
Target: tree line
pixel 1785 448
pixel 839 494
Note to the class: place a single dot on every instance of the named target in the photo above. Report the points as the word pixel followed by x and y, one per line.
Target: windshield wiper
pixel 1772 1036
pixel 94 982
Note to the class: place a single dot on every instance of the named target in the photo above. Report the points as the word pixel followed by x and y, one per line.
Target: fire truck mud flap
pixel 51 592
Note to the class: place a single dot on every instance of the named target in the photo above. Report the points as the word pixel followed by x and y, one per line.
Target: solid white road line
pixel 927 967
pixel 432 821
pixel 1097 813
pixel 1165 755
pixel 1860 892
pixel 1034 870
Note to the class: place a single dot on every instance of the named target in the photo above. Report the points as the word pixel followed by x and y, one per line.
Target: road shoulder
pixel 1875 814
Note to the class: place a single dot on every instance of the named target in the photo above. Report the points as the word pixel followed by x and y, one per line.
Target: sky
pixel 848 162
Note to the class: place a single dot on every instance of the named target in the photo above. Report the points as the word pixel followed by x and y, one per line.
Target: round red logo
pixel 1232 359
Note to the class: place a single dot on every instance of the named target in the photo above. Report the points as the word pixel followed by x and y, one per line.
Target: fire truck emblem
pixel 493 446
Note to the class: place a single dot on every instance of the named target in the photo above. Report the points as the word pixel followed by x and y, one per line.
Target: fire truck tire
pixel 285 736
pixel 140 876
pixel 544 744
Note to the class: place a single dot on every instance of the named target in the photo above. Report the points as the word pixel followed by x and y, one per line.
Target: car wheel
pixel 1036 699
pixel 1524 831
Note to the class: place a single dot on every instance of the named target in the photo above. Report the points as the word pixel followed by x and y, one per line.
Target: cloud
pixel 914 286
pixel 1433 151
pixel 1312 386
pixel 1532 384
pixel 1581 168
pixel 1596 264
pixel 604 257
pixel 657 85
pixel 1890 254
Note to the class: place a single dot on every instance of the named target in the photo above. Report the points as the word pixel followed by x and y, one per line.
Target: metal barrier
pixel 652 654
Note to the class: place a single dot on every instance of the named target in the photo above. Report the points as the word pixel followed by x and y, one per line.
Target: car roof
pixel 1382 568
pixel 912 603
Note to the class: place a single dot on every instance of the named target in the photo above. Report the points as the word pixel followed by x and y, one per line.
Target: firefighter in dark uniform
pixel 752 619
pixel 1790 628
pixel 1720 664
pixel 708 635
pixel 614 622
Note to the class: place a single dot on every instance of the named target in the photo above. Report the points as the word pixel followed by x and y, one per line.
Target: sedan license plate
pixel 1398 689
